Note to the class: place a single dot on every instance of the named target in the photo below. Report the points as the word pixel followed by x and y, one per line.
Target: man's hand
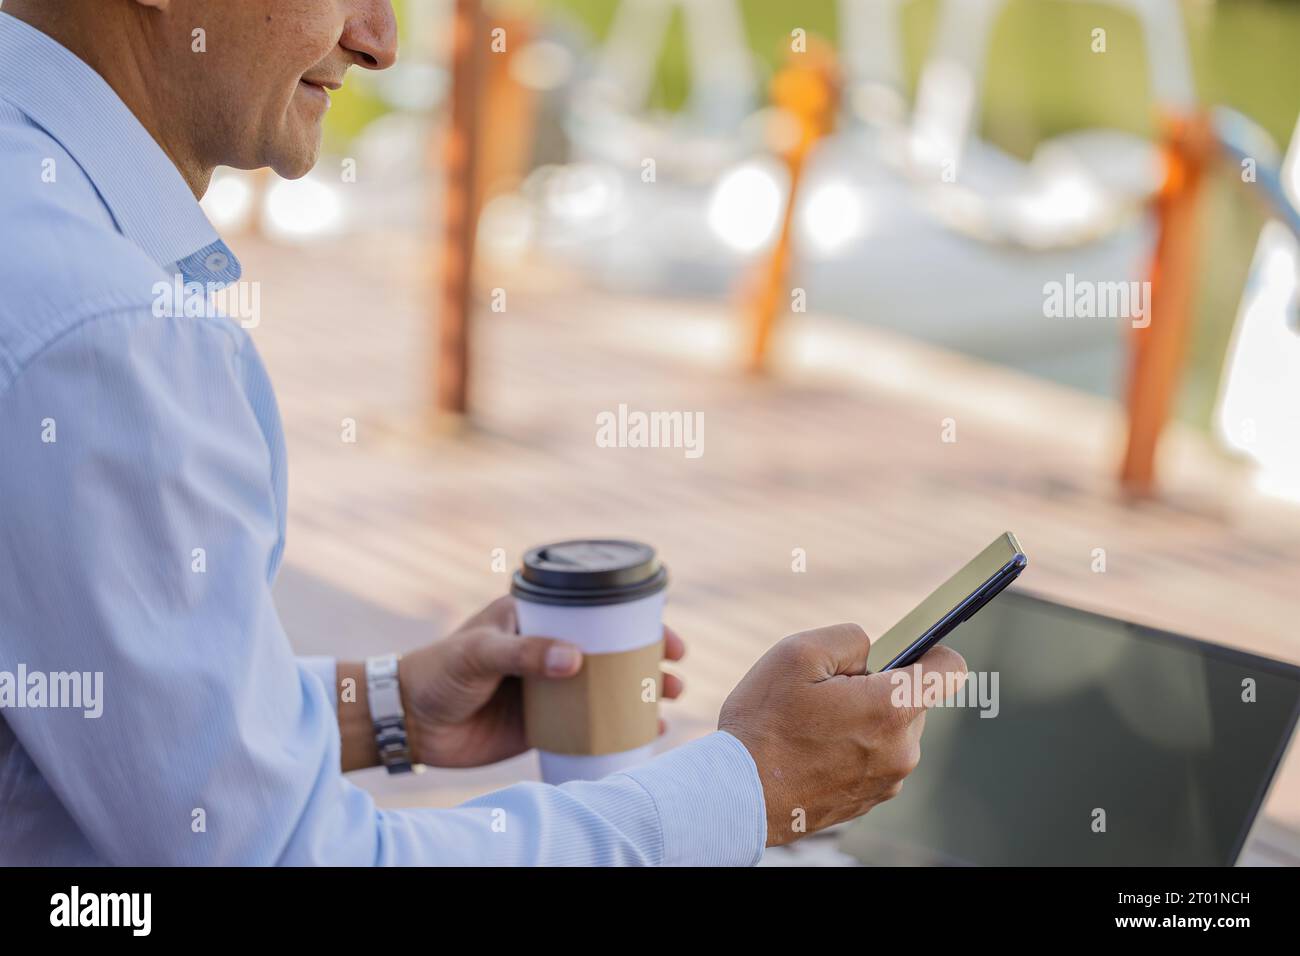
pixel 828 741
pixel 463 697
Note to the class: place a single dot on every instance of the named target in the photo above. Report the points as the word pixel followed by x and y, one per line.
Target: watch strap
pixel 386 713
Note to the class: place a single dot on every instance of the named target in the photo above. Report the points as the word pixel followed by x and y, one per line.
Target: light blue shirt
pixel 138 446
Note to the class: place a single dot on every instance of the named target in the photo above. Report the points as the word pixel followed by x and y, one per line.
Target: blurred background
pixel 828 228
pixel 1037 82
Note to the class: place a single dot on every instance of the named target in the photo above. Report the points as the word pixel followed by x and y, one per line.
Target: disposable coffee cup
pixel 607 598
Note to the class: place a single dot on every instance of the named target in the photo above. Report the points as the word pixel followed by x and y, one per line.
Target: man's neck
pixel 112 44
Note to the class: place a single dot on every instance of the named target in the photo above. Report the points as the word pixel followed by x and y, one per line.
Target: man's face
pixel 255 86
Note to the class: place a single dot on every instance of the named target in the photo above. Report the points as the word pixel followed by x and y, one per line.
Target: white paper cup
pixel 605 597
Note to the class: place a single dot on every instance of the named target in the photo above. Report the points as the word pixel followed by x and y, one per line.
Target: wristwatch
pixel 386 713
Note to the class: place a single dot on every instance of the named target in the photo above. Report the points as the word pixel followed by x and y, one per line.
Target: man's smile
pixel 318 89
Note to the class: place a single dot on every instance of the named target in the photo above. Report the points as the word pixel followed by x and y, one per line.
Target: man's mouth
pixel 318 89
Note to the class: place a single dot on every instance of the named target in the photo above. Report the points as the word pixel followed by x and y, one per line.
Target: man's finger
pixel 842 647
pixel 942 659
pixel 674 646
pixel 673 686
pixel 509 655
pixel 909 690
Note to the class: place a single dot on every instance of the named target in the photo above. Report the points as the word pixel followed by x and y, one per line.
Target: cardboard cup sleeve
pixel 611 705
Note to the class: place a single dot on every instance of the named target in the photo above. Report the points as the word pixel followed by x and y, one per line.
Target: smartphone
pixel 954 601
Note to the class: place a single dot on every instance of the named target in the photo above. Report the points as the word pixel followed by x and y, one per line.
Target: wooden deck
pixel 391 538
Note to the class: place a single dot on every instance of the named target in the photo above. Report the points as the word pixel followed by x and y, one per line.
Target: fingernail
pixel 562 659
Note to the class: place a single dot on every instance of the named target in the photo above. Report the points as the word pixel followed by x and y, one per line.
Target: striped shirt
pixel 139 439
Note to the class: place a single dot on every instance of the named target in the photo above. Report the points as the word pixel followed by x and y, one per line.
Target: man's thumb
pixel 510 655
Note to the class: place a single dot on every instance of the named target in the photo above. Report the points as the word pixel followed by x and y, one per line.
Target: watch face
pixel 383 667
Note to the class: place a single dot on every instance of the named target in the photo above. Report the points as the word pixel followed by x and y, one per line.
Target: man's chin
pixel 294 169
pixel 298 160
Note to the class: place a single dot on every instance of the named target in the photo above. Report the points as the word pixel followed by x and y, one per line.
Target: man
pixel 136 444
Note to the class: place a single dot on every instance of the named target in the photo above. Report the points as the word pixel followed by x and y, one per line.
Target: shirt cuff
pixel 326 668
pixel 710 803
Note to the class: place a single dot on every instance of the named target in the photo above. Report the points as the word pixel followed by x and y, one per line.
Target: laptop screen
pixel 1106 744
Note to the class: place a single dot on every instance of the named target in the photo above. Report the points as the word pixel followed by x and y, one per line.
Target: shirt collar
pixel 145 193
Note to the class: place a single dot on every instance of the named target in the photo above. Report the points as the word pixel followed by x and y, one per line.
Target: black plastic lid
pixel 589 572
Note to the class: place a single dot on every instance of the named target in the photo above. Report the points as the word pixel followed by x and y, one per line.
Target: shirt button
pixel 217 262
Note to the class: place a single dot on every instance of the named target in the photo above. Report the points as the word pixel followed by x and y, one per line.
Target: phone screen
pixel 1001 559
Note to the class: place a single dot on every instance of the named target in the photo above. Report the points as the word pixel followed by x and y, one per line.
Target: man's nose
pixel 371 34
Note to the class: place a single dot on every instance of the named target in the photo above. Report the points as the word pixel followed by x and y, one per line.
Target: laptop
pixel 1108 743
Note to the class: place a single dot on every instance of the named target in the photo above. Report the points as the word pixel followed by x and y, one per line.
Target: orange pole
pixel 511 108
pixel 806 91
pixel 1157 350
pixel 460 209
